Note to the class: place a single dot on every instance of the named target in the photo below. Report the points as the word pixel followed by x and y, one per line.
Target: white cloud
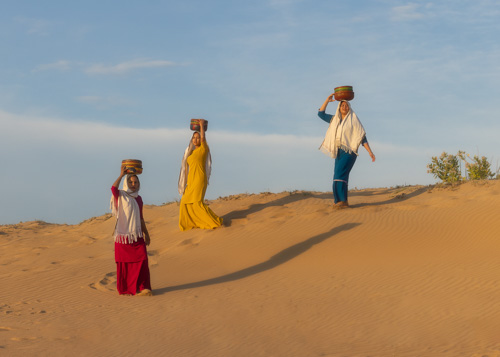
pixel 407 12
pixel 61 65
pixel 34 26
pixel 102 102
pixel 120 68
pixel 283 2
pixel 128 66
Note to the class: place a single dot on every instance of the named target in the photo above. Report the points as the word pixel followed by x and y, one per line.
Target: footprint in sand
pixel 106 284
pixel 84 241
pixel 191 242
pixel 6 309
pixel 37 250
pixel 152 257
pixel 237 221
pixel 284 214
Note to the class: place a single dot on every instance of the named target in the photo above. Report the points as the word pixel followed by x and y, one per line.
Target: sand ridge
pixel 408 271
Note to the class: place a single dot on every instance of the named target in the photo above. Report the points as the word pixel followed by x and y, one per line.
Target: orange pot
pixel 343 93
pixel 133 166
pixel 195 126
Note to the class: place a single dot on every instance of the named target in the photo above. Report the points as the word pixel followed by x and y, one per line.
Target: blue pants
pixel 343 165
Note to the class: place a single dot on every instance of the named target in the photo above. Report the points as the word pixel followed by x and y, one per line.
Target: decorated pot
pixel 343 93
pixel 195 126
pixel 133 166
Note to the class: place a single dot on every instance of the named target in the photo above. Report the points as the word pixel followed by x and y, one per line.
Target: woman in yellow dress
pixel 193 181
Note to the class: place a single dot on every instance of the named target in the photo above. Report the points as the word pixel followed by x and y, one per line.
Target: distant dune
pixel 410 271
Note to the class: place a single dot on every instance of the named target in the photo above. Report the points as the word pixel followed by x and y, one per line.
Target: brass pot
pixel 133 166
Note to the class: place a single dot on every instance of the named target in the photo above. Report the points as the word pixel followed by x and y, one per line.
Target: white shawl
pixel 346 134
pixel 183 175
pixel 128 216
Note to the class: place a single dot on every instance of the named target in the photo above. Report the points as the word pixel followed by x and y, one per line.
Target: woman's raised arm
pixel 202 129
pixel 325 104
pixel 123 172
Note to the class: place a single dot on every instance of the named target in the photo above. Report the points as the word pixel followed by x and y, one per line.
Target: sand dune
pixel 412 271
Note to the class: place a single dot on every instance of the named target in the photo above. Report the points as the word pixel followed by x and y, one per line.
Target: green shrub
pixel 477 168
pixel 446 168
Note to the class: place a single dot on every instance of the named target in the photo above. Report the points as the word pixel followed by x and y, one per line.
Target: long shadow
pixel 297 196
pixel 398 198
pixel 276 260
pixel 293 197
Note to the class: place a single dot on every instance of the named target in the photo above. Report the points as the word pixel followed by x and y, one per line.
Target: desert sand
pixel 408 271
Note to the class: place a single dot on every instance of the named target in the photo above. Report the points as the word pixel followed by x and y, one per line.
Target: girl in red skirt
pixel 131 237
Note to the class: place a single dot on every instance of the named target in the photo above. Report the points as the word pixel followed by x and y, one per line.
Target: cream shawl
pixel 128 216
pixel 183 175
pixel 346 134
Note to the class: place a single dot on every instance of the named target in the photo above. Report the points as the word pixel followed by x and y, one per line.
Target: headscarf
pixel 345 134
pixel 128 215
pixel 183 175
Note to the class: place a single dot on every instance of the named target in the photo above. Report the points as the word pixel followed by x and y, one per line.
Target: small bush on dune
pixel 477 168
pixel 448 167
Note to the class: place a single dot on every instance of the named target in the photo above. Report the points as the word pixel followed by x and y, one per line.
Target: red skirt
pixel 132 268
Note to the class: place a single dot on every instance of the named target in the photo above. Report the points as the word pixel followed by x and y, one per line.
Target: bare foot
pixel 145 292
pixel 341 205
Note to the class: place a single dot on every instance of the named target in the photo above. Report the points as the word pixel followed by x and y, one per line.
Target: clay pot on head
pixel 133 166
pixel 343 93
pixel 195 126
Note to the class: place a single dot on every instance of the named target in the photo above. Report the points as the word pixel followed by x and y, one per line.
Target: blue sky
pixel 84 85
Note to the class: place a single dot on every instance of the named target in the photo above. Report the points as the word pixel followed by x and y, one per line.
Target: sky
pixel 84 85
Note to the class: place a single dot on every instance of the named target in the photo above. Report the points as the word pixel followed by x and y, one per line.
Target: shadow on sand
pixel 298 196
pixel 398 196
pixel 293 197
pixel 276 260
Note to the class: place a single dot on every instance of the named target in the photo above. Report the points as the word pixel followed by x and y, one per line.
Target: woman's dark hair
pixel 195 132
pixel 134 175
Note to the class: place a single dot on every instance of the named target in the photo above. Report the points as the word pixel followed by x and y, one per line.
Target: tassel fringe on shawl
pixel 346 134
pixel 128 216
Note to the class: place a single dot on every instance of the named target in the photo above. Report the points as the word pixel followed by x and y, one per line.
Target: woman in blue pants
pixel 344 136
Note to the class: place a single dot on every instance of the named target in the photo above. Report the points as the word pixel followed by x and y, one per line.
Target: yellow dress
pixel 194 213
